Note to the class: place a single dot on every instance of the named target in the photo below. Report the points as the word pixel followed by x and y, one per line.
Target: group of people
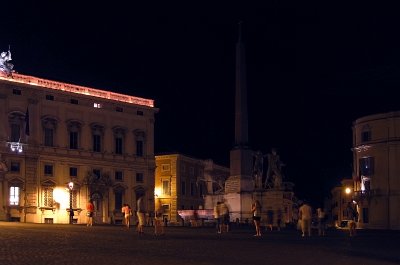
pixel 221 215
pixel 126 210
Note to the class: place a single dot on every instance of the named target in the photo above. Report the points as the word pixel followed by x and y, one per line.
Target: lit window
pixel 165 167
pixel 165 187
pixel 97 105
pixel 48 196
pixel 14 195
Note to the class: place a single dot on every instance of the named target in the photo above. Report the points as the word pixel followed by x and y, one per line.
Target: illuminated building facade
pixel 53 133
pixel 376 160
pixel 181 183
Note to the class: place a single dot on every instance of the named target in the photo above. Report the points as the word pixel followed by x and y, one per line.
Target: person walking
pixel 305 215
pixel 89 213
pixel 225 217
pixel 353 218
pixel 256 210
pixel 321 222
pixel 158 221
pixel 127 212
pixel 217 217
pixel 141 215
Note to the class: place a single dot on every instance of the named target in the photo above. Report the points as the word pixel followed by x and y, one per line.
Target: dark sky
pixel 312 70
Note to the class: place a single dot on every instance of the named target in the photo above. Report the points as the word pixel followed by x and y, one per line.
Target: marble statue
pixel 5 65
pixel 274 172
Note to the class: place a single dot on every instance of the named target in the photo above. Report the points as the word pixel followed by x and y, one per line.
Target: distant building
pixel 53 133
pixel 181 182
pixel 376 160
pixel 341 196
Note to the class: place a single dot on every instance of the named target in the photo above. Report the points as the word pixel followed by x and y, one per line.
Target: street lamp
pixel 71 211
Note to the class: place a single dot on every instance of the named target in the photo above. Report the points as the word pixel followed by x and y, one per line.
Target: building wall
pixel 43 195
pixel 189 181
pixel 377 191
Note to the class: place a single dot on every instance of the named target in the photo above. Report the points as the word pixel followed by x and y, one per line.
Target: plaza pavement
pixel 23 244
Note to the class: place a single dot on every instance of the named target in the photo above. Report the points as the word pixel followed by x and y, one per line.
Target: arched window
pixel 119 140
pixel 16 122
pixel 366 133
pixel 49 125
pixel 140 142
pixel 74 131
pixel 97 137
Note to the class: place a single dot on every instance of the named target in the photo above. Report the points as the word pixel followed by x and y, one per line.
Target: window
pixel 119 176
pixel 17 92
pixel 139 148
pixel 73 140
pixel 119 109
pixel 49 97
pixel 366 136
pixel 73 172
pixel 15 166
pixel 96 143
pixel 139 177
pixel 74 129
pixel 74 101
pixel 48 196
pixel 48 170
pixel 97 105
pixel 118 200
pixel 192 189
pixel 165 167
pixel 49 125
pixel 48 137
pixel 14 196
pixel 183 188
pixel 139 138
pixel 15 132
pixel 118 145
pixel 97 136
pixel 201 190
pixel 97 173
pixel 366 166
pixel 365 215
pixel 165 187
pixel 191 171
pixel 139 113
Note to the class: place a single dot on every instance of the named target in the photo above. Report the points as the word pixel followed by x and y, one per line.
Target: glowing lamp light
pixel 16 147
pixel 347 190
pixel 71 185
pixel 157 191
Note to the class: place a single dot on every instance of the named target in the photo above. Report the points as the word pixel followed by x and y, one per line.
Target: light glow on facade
pixel 61 196
pixel 34 81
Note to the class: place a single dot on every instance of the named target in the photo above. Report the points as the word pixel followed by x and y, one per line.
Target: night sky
pixel 312 69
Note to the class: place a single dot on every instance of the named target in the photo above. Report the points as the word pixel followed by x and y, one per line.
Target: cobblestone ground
pixel 22 244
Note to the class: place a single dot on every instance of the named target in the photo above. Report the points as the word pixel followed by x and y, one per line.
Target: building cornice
pixel 35 81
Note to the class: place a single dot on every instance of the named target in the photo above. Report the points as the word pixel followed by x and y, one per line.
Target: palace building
pixel 376 154
pixel 182 184
pixel 62 145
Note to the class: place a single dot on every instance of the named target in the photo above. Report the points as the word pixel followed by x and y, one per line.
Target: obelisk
pixel 240 184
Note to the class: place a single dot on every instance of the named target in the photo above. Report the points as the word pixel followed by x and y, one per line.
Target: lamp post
pixel 71 211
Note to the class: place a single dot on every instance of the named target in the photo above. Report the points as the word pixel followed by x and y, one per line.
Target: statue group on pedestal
pixel 5 65
pixel 274 174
